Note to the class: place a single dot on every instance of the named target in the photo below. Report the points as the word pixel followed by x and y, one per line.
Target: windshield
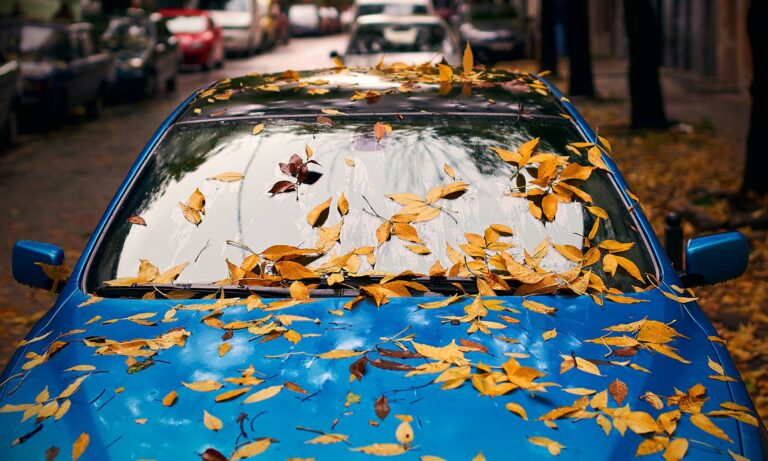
pixel 127 35
pixel 228 5
pixel 186 24
pixel 43 42
pixel 395 38
pixel 204 199
pixel 397 9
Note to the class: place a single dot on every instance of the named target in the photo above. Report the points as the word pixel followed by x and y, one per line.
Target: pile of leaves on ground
pixel 693 173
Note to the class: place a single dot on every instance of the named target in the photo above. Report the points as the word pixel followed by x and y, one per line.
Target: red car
pixel 200 40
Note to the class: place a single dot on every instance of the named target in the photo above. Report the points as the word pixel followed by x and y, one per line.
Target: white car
pixel 404 39
pixel 240 23
pixel 393 7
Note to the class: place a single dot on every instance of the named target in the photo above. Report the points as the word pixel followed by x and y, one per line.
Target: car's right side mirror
pixel 715 258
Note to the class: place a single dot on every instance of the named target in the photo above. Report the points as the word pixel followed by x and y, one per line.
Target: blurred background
pixel 675 85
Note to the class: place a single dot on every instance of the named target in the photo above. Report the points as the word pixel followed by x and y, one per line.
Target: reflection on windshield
pixel 410 159
pixel 42 42
pixel 391 38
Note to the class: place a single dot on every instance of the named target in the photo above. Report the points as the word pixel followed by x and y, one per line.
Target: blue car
pixel 422 262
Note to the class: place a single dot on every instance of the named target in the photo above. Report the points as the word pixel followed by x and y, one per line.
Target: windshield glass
pixel 397 9
pixel 395 38
pixel 46 42
pixel 127 35
pixel 394 217
pixel 186 24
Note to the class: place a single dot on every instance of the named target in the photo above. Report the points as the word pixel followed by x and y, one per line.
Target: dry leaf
pixel 211 422
pixel 252 449
pixel 78 448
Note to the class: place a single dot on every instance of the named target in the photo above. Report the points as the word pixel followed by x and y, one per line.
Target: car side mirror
pixel 715 258
pixel 334 54
pixel 26 253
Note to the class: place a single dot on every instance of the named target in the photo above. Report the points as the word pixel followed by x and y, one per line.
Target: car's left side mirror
pixel 26 260
pixel 715 258
pixel 334 54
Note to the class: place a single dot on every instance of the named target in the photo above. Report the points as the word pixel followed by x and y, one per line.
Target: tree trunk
pixel 645 48
pixel 548 44
pixel 757 161
pixel 577 34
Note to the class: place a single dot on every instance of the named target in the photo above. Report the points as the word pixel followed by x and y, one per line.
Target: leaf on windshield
pixel 257 129
pixel 468 60
pixel 81 443
pixel 263 394
pixel 318 214
pixel 211 422
pixel 252 449
pixel 229 176
pixel 137 220
pixel 380 129
pixel 446 73
pixel 332 112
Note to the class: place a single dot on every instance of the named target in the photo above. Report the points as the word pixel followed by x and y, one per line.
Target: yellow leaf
pixel 448 169
pixel 170 398
pixel 211 422
pixel 229 176
pixel 430 458
pixel 81 368
pixel 63 409
pixel 204 386
pixel 578 363
pixel 651 446
pixel 314 91
pixel 615 247
pixel 81 443
pixel 442 303
pixel 716 367
pixel 737 457
pixel 579 391
pixel 317 211
pixel 191 214
pixel 252 449
pixel 406 232
pixel 349 162
pixel 380 129
pixel 468 60
pixel 326 439
pixel 257 128
pixel 224 348
pixel 340 354
pixel 382 449
pixel 332 112
pixel 418 249
pixel 676 450
pixel 229 395
pixel 517 409
pixel 569 251
pixel 549 334
pixel 446 73
pixel 538 307
pixel 705 424
pixel 263 394
pixel 343 205
pixel 292 336
pixel 553 447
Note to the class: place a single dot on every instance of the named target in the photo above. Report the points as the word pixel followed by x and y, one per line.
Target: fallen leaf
pixel 553 447
pixel 382 449
pixel 138 220
pixel 170 398
pixel 252 449
pixel 257 129
pixel 381 407
pixel 263 394
pixel 229 176
pixel 81 443
pixel 618 390
pixel 211 422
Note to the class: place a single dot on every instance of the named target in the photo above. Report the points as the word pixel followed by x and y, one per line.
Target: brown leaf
pixel 390 365
pixel 291 386
pixel 381 407
pixel 398 354
pixel 212 454
pixel 379 129
pixel 51 453
pixel 618 390
pixel 282 186
pixel 324 120
pixel 357 368
pixel 138 220
pixel 473 345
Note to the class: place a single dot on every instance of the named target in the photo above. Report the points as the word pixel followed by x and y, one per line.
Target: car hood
pixel 371 60
pixel 121 408
pixel 239 19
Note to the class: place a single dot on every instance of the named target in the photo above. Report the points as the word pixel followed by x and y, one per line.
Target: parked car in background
pixel 200 40
pixel 304 20
pixel 496 31
pixel 62 69
pixel 10 98
pixel 407 39
pixel 393 7
pixel 240 21
pixel 147 53
pixel 330 23
pixel 217 313
pixel 274 23
pixel 347 18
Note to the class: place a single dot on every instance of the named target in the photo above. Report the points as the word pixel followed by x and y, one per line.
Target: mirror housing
pixel 715 258
pixel 334 54
pixel 26 253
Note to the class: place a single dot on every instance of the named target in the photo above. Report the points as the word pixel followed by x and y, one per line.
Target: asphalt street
pixel 55 185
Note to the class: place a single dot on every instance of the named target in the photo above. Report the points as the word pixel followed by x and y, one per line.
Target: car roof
pixel 357 91
pixel 371 19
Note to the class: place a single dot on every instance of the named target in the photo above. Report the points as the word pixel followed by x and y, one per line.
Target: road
pixel 55 186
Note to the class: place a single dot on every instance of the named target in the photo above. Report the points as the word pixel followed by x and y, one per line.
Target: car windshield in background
pixel 186 24
pixel 397 38
pixel 42 42
pixel 487 13
pixel 391 9
pixel 430 193
pixel 123 35
pixel 227 5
